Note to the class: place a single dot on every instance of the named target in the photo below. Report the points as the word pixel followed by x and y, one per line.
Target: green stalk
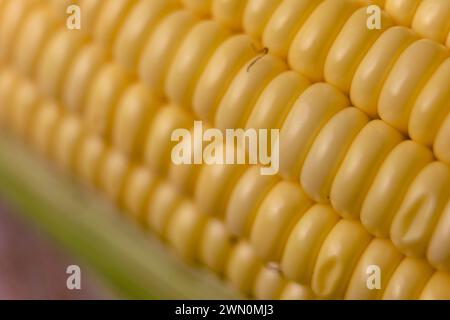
pixel 129 259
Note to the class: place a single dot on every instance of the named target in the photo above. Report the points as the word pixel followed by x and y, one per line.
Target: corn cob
pixel 429 18
pixel 118 137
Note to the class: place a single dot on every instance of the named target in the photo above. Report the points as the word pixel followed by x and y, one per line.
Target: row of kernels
pixel 226 109
pixel 402 10
pixel 199 7
pixel 310 46
pixel 229 12
pixel 398 44
pixel 239 99
pixel 14 90
pixel 47 55
pixel 421 209
pixel 112 174
pixel 245 199
pixel 107 99
pixel 390 185
pixel 408 92
pixel 405 82
pixel 135 111
pixel 246 272
pixel 284 24
pixel 314 107
pixel 363 158
pixel 334 256
pixel 140 21
pixel 161 48
pixel 205 101
pixel 112 15
pixel 11 18
pixel 429 18
pixel 288 29
pixel 401 81
pixel 80 71
pixel 276 100
pixel 328 151
pixel 23 99
pixel 173 218
pixel 411 215
pixel 191 59
pixel 55 59
pixel 426 108
pixel 54 79
pixel 41 23
pixel 336 60
pixel 374 68
pixel 86 61
pixel 309 233
pixel 103 96
pixel 350 47
pixel 114 169
pixel 60 137
pixel 274 234
pixel 356 27
pixel 277 21
pixel 239 263
pixel 210 199
pixel 56 136
pixel 172 58
pixel 251 15
pixel 90 11
pixel 45 43
pixel 80 76
pixel 427 120
pixel 281 208
pixel 143 44
pixel 270 220
pixel 121 27
pixel 219 73
pixel 48 52
pixel 359 165
pixel 159 144
pixel 256 16
pixel 112 81
pixel 136 123
pixel 100 115
pixel 235 14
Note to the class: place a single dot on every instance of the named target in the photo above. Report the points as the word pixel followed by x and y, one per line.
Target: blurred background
pixel 34 267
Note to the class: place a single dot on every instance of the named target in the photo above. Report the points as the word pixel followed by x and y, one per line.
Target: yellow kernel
pixel 408 280
pixel 357 171
pixel 275 219
pixel 337 259
pixel 304 243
